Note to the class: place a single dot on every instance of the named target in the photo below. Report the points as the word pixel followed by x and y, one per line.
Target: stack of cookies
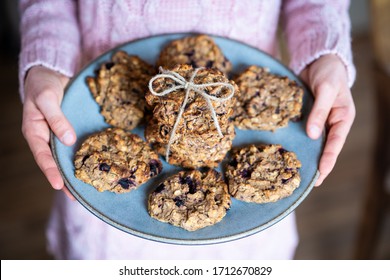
pixel 190 111
pixel 196 142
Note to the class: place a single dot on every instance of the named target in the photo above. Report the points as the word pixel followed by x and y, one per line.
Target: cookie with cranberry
pixel 197 50
pixel 119 88
pixel 266 101
pixel 262 173
pixel 115 160
pixel 190 199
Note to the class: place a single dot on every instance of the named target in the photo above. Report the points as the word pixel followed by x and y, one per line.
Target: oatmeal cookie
pixel 262 173
pixel 197 50
pixel 190 199
pixel 196 142
pixel 115 160
pixel 266 101
pixel 119 88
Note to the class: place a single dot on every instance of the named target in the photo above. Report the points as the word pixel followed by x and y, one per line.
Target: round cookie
pixel 119 88
pixel 197 50
pixel 196 142
pixel 115 160
pixel 266 101
pixel 262 173
pixel 190 199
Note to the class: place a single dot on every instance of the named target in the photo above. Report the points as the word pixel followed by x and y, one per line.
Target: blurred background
pixel 345 218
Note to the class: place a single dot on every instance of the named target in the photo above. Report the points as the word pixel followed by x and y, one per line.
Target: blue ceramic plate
pixel 128 212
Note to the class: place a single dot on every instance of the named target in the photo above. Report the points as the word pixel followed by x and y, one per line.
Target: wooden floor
pixel 327 219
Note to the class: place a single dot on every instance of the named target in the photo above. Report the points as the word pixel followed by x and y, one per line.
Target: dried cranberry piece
pixel 126 183
pixel 104 167
pixel 190 182
pixel 246 173
pixel 178 201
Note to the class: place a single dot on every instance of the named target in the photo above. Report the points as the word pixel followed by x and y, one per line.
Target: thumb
pixel 325 95
pixel 45 90
pixel 47 102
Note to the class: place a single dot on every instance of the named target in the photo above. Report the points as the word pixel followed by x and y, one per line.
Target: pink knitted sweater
pixel 64 35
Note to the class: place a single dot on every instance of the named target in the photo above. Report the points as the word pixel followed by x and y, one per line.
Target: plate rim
pixel 179 241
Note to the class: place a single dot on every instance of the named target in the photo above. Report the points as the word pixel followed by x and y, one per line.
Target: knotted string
pixel 182 83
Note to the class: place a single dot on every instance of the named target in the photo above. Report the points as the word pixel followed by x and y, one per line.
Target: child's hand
pixel 333 107
pixel 44 90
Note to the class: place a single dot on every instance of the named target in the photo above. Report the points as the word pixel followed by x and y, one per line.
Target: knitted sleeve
pixel 317 27
pixel 49 37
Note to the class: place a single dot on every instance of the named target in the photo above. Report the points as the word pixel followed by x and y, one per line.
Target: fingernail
pixel 67 138
pixel 314 131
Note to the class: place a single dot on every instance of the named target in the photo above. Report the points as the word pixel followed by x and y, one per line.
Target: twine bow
pixel 182 83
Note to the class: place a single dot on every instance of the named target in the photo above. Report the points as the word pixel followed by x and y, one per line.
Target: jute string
pixel 182 83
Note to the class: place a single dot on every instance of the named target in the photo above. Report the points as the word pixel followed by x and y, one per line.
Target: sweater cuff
pixel 53 58
pixel 318 45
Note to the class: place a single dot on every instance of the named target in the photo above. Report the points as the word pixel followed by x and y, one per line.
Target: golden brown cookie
pixel 115 160
pixel 190 199
pixel 196 50
pixel 119 88
pixel 262 173
pixel 266 101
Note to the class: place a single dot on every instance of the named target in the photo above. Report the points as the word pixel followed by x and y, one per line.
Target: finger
pixel 35 130
pixel 47 103
pixel 324 100
pixel 335 141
